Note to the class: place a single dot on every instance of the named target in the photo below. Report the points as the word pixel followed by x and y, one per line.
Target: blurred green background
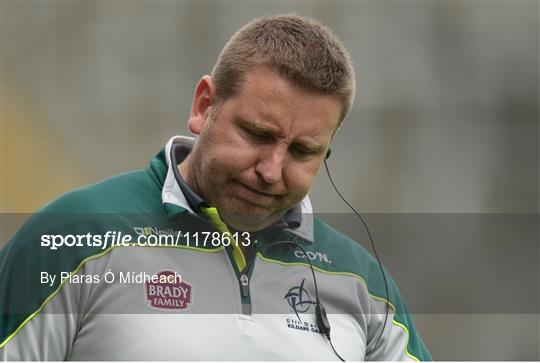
pixel 445 120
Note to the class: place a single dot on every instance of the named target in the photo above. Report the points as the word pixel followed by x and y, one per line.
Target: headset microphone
pixel 320 312
pixel 322 319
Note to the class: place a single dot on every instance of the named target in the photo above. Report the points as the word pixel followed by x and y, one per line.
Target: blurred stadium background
pixel 445 124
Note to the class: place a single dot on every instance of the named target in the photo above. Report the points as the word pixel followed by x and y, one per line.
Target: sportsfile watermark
pixel 443 263
pixel 146 236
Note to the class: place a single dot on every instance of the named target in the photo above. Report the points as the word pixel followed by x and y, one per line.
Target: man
pixel 244 271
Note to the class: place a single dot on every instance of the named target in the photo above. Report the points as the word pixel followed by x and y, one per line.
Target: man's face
pixel 258 153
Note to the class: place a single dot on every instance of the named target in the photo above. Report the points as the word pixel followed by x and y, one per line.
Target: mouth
pixel 252 196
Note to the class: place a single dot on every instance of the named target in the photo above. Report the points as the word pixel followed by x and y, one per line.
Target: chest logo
pixel 298 299
pixel 168 293
pixel 300 302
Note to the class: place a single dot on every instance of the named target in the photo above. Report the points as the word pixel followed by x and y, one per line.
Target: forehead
pixel 267 98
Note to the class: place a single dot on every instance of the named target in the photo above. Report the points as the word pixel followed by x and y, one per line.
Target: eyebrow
pixel 257 126
pixel 275 131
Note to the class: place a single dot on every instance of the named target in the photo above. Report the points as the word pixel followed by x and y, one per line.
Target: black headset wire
pixel 372 246
pixel 322 319
pixel 320 312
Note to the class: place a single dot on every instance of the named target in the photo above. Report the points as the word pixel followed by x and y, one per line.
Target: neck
pixel 187 173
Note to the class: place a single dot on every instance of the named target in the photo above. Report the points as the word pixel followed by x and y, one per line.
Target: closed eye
pixel 302 153
pixel 257 135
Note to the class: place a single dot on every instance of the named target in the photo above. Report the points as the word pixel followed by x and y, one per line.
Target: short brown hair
pixel 298 48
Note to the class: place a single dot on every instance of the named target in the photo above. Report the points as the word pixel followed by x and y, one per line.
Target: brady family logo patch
pixel 167 293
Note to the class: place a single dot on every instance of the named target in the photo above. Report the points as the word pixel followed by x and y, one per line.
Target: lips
pixel 251 195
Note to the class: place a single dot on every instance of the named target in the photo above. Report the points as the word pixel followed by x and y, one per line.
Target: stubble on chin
pixel 246 221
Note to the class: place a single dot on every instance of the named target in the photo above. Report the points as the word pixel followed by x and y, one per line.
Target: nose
pixel 270 164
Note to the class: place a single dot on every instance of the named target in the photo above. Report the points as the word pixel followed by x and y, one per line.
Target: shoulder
pixel 96 208
pixel 349 257
pixel 130 192
pixel 109 205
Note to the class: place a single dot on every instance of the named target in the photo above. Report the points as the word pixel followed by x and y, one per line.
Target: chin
pixel 248 222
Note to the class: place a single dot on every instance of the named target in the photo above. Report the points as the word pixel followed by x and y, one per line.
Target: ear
pixel 202 101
